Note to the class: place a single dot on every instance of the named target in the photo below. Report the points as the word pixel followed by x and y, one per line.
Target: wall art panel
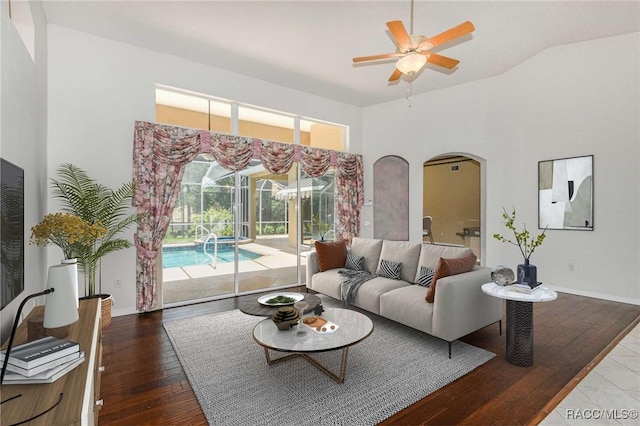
pixel 565 193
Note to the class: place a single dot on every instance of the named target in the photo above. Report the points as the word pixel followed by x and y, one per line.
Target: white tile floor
pixel 609 394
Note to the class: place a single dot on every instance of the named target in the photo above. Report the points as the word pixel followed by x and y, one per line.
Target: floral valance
pixel 161 153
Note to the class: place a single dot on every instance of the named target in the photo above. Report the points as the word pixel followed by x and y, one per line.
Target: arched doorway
pixel 452 196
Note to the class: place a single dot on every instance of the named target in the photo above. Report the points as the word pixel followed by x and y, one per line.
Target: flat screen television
pixel 11 231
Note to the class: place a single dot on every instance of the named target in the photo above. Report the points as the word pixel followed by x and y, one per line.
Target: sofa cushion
pixel 407 305
pixel 354 262
pixel 331 255
pixel 404 252
pixel 447 267
pixel 430 254
pixel 369 293
pixel 425 277
pixel 369 249
pixel 389 269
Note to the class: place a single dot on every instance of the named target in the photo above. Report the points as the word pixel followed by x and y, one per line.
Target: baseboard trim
pixel 596 295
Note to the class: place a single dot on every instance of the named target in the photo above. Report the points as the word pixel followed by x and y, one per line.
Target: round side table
pixel 519 319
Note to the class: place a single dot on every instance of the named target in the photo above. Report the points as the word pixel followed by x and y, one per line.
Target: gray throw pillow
pixel 389 269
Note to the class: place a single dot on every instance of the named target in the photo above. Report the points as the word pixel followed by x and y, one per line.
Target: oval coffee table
pixel 353 327
pixel 250 305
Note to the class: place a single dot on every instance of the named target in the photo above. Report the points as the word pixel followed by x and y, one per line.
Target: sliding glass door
pixel 199 249
pixel 231 233
pixel 267 231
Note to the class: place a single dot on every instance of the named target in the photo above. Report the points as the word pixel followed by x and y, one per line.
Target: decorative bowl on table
pixel 502 275
pixel 280 299
pixel 286 317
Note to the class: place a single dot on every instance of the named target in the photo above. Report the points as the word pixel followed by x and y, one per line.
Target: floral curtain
pixel 160 154
pixel 349 195
pixel 277 157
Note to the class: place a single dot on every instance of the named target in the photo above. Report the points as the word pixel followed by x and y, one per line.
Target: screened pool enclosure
pixel 242 226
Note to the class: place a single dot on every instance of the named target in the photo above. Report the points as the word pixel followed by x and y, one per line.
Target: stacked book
pixel 524 288
pixel 41 361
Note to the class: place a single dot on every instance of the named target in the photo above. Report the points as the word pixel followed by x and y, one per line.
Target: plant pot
pixel 107 303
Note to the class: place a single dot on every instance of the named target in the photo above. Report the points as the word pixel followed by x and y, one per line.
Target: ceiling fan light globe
pixel 411 63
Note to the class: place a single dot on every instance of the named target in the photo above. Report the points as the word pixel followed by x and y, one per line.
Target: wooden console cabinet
pixel 80 387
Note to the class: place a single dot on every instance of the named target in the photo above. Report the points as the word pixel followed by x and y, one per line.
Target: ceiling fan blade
pixel 376 57
pixel 452 33
pixel 396 75
pixel 442 61
pixel 399 33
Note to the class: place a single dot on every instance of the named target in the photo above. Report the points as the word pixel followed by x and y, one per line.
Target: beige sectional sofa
pixel 459 306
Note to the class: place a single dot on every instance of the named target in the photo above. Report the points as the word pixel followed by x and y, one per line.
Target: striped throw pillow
pixel 426 276
pixel 354 262
pixel 389 269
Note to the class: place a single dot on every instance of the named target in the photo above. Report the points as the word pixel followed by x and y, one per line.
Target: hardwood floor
pixel 145 384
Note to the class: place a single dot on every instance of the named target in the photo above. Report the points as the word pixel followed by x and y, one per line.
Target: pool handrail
pixel 214 258
pixel 200 237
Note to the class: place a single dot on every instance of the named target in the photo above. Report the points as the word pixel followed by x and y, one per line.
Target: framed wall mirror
pixel 565 193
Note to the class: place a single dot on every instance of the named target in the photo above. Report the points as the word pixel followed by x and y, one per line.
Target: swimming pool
pixel 174 257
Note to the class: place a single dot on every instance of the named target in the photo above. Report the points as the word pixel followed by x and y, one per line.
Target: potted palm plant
pixel 95 203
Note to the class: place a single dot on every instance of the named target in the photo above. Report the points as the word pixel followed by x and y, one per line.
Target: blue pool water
pixel 173 258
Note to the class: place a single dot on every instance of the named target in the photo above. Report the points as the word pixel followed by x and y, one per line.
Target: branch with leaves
pixel 523 239
pixel 323 228
pixel 67 231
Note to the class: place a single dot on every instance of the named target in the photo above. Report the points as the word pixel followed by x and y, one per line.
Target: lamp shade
pixel 61 305
pixel 411 63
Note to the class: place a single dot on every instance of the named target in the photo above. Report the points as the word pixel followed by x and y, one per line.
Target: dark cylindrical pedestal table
pixel 520 333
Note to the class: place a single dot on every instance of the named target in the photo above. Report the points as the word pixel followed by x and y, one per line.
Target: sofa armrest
pixel 460 307
pixel 312 267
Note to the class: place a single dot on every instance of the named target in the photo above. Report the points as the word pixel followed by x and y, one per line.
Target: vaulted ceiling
pixel 309 45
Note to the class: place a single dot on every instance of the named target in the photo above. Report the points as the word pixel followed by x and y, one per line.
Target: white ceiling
pixel 309 45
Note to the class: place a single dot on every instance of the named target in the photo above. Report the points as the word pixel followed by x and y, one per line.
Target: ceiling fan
pixel 414 51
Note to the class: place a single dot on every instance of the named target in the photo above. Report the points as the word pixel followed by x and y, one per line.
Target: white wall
pixel 98 88
pixel 23 127
pixel 570 100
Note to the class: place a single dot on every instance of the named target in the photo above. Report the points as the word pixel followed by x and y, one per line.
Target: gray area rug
pixel 390 370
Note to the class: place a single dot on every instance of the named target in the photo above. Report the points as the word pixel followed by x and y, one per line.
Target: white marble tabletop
pixel 543 294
